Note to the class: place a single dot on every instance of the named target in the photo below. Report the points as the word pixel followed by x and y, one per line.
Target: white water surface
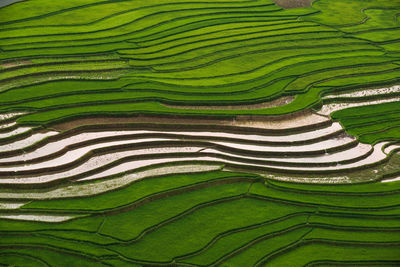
pixel 98 187
pixel 16 131
pixel 56 146
pixel 6 116
pixel 20 144
pixel 366 92
pixel 330 108
pixel 37 218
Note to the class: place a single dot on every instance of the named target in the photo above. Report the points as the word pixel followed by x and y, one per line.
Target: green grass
pixel 193 236
pixel 243 237
pixel 190 48
pixel 354 236
pixel 251 255
pixel 27 239
pixel 373 123
pixel 253 227
pixel 142 26
pixel 349 201
pixel 130 225
pixel 12 258
pixel 80 66
pixel 48 256
pixel 133 192
pixel 328 252
pixel 356 221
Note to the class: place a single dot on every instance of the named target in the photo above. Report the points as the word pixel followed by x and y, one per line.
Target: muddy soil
pixel 15 64
pixel 298 119
pixel 293 3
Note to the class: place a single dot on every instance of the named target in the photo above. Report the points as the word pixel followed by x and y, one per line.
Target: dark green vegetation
pixel 112 61
pixel 249 221
pixel 372 123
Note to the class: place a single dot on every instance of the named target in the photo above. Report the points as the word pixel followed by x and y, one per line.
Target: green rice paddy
pixel 199 133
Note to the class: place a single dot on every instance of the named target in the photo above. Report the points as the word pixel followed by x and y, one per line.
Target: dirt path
pixel 15 64
pixel 293 3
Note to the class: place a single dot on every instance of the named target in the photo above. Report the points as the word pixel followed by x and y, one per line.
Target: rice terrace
pixel 200 133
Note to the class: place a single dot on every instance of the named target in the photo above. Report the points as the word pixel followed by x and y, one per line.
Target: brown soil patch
pixel 15 64
pixel 295 120
pixel 271 104
pixel 293 3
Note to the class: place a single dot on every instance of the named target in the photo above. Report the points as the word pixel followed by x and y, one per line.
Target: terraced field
pixel 200 133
